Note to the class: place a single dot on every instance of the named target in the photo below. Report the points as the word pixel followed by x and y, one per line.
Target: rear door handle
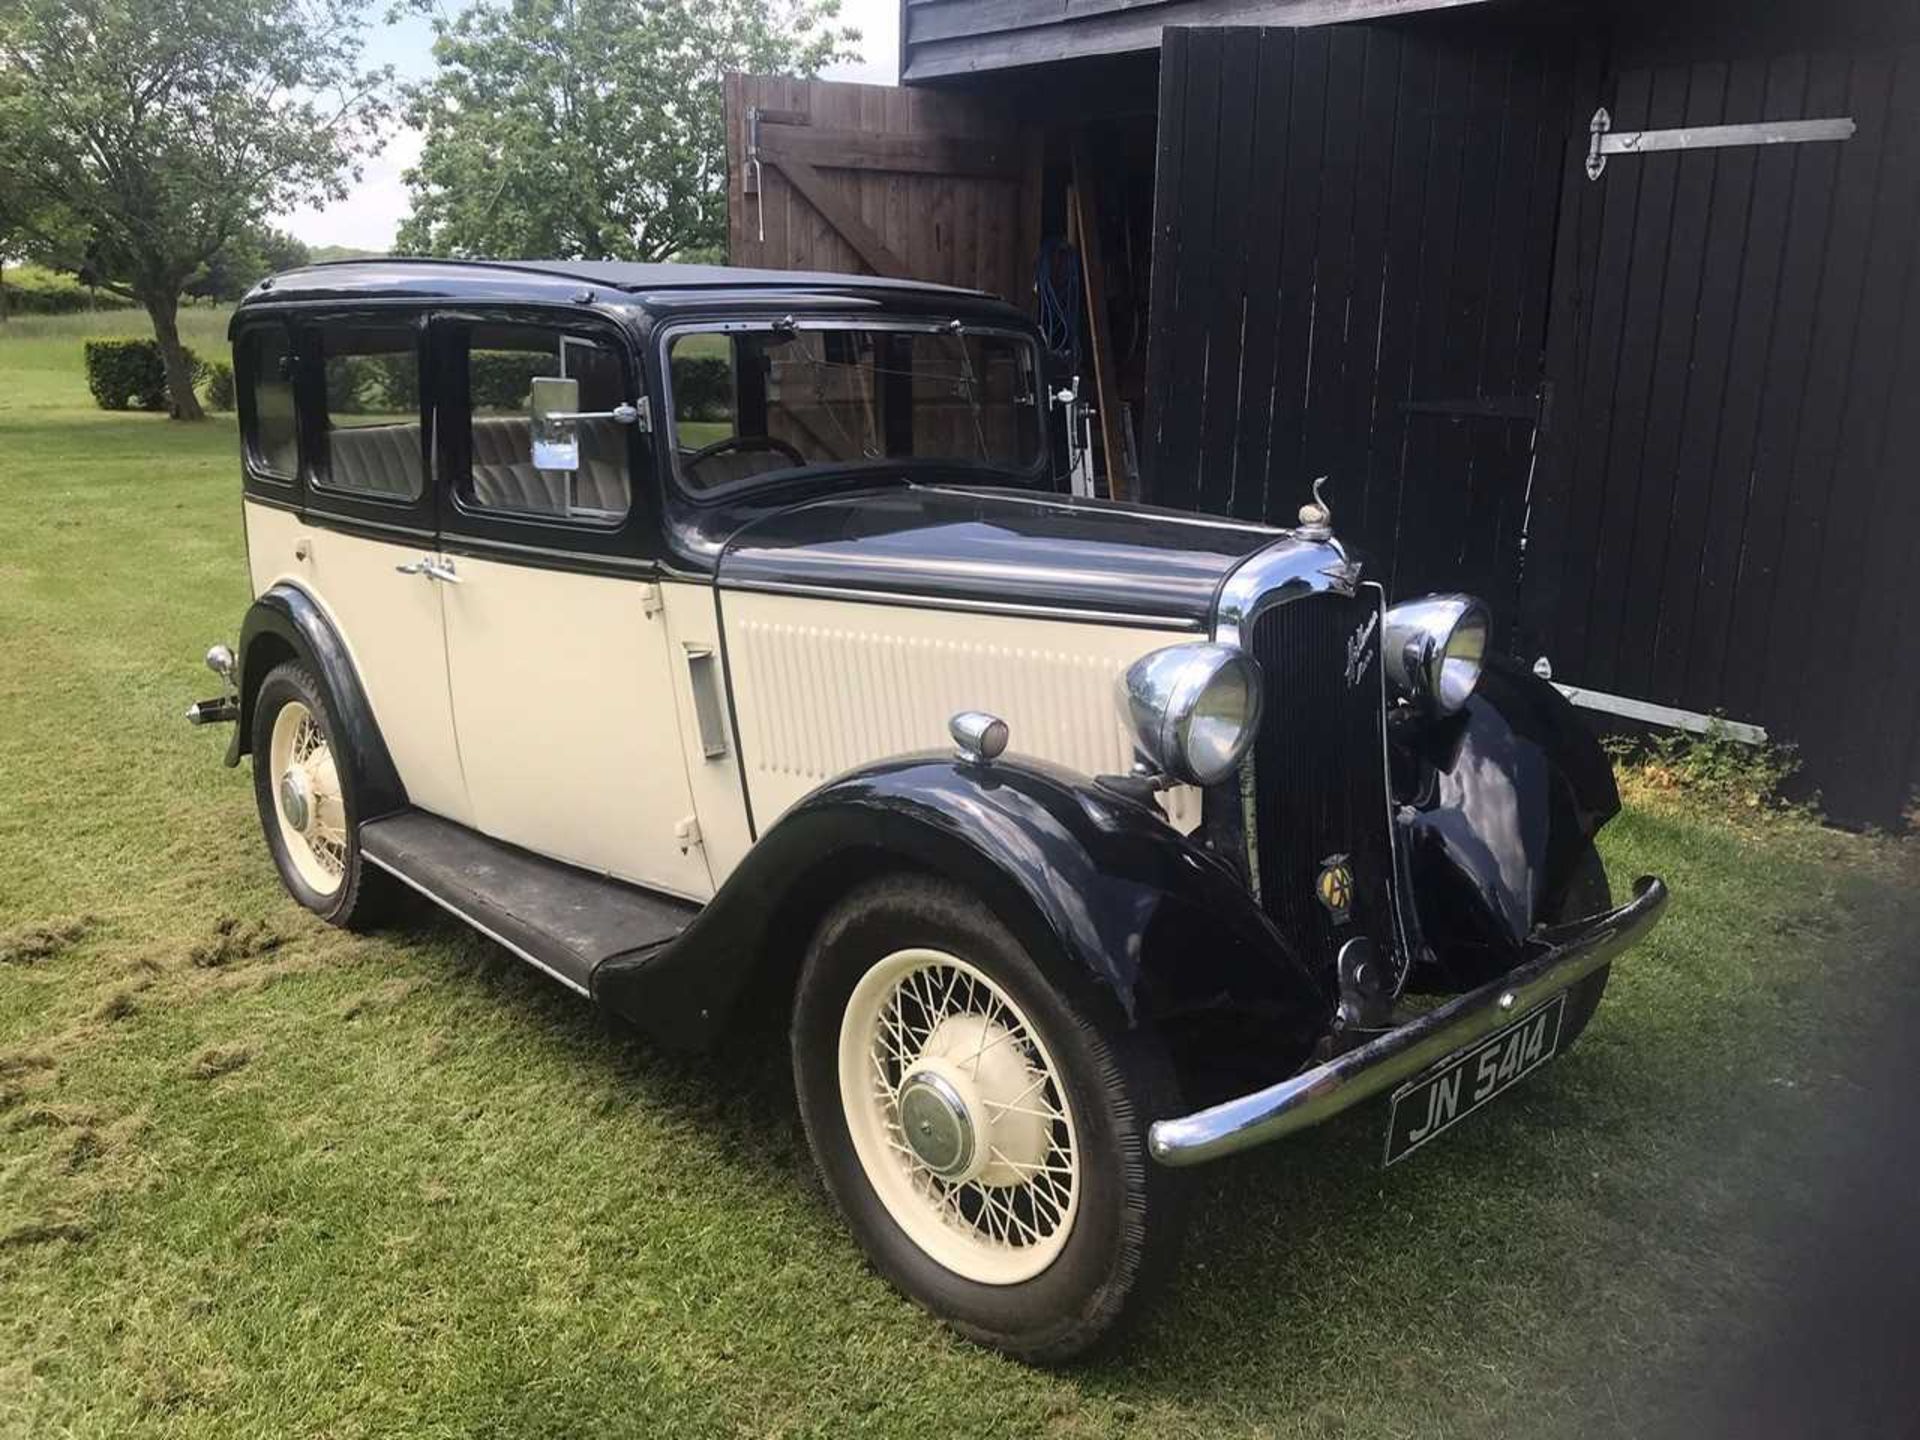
pixel 437 569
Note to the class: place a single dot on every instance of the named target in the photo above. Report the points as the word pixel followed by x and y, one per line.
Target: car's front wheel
pixel 304 788
pixel 984 1136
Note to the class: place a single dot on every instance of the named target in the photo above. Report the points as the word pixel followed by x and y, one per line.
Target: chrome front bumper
pixel 1561 957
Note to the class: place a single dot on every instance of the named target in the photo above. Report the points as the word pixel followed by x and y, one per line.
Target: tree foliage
pixel 246 259
pixel 587 130
pixel 142 137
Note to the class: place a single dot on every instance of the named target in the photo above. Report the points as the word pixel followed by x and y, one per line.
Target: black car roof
pixel 544 279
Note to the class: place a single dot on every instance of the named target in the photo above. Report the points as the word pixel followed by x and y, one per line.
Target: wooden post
pixel 1086 214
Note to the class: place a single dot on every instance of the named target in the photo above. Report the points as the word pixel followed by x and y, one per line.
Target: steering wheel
pixel 729 443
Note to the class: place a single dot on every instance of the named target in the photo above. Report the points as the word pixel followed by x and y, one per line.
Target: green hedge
pixel 34 290
pixel 218 377
pixel 702 387
pixel 503 379
pixel 129 374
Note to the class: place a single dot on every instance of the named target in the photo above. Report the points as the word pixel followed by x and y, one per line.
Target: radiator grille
pixel 1319 770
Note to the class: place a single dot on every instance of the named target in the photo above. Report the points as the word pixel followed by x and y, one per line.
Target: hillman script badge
pixel 1357 655
pixel 1335 887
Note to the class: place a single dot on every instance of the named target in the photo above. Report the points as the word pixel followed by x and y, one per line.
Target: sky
pixel 374 207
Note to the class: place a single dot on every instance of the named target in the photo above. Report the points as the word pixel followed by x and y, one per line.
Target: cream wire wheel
pixel 959 1117
pixel 307 800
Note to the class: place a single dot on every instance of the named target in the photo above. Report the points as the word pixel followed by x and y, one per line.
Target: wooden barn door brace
pixel 1607 141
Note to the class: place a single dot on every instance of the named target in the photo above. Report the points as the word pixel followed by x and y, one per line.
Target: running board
pixel 557 918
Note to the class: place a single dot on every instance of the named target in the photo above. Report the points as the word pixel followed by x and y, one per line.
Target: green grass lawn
pixel 259 1178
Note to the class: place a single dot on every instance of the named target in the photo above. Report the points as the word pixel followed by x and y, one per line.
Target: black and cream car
pixel 701 634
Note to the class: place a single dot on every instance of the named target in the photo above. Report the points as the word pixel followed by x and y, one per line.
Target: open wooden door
pixel 873 179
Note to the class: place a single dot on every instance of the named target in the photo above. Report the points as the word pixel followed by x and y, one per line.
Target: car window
pixel 749 403
pixel 502 363
pixel 267 403
pixel 370 406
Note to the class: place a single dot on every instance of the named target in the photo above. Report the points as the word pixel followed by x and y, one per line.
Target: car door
pixel 366 532
pixel 557 645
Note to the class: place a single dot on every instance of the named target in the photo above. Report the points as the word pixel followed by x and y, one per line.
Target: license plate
pixel 1463 1082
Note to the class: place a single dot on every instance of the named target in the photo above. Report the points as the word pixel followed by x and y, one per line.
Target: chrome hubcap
pixel 296 799
pixel 938 1126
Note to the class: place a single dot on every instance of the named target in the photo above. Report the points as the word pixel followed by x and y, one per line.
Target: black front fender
pixel 1119 909
pixel 284 623
pixel 1507 796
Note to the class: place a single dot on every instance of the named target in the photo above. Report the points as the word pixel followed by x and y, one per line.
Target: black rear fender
pixel 287 624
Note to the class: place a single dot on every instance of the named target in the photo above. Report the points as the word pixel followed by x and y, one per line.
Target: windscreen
pixel 753 403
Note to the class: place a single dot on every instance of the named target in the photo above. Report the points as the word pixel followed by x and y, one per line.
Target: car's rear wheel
pixel 305 790
pixel 1588 893
pixel 984 1136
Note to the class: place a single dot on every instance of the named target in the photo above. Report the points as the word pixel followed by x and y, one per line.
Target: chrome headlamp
pixel 1193 709
pixel 1435 647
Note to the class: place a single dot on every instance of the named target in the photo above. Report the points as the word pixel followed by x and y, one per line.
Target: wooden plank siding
pixel 873 179
pixel 1352 242
pixel 1725 512
pixel 943 39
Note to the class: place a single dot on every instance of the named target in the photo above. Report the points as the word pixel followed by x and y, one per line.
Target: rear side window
pixel 501 477
pixel 267 403
pixel 370 405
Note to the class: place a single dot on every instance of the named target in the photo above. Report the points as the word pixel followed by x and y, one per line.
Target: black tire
pixel 1125 1235
pixel 364 894
pixel 1587 893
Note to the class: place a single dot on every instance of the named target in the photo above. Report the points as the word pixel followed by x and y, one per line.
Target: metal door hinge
pixel 1604 140
pixel 651 601
pixel 687 835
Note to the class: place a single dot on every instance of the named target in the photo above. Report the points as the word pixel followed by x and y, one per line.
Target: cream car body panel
pixel 561 697
pixel 693 634
pixel 391 624
pixel 824 686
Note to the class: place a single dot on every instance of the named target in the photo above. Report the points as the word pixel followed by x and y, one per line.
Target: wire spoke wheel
pixel 307 798
pixel 959 1116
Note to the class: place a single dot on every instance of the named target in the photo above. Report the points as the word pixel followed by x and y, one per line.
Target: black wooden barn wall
pixel 1352 237
pixel 1377 257
pixel 1727 508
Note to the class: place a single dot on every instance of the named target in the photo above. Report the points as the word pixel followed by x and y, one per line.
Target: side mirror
pixel 556 432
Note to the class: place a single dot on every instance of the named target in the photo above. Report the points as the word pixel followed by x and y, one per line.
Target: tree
pixel 244 260
pixel 144 136
pixel 589 130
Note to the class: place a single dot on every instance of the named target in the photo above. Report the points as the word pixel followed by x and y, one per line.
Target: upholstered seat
pixel 385 460
pixel 504 477
pixel 375 459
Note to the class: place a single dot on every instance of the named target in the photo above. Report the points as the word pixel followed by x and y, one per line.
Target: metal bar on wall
pixel 1607 141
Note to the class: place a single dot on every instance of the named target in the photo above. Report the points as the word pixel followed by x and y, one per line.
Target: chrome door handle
pixel 437 569
pixel 415 567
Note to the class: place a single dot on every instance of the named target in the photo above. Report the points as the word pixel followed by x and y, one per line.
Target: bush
pixel 702 387
pixel 503 379
pixel 125 374
pixel 396 383
pixel 348 378
pixel 34 290
pixel 218 375
pixel 1715 766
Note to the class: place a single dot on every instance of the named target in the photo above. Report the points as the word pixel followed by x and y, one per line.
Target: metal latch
pixel 1604 140
pixel 651 601
pixel 687 834
pixel 750 176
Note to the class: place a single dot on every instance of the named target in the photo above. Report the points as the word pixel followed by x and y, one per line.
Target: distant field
pixel 259 1178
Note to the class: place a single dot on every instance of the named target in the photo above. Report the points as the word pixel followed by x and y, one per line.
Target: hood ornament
pixel 1316 516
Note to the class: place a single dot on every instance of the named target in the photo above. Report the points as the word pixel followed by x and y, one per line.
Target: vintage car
pixel 715 639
